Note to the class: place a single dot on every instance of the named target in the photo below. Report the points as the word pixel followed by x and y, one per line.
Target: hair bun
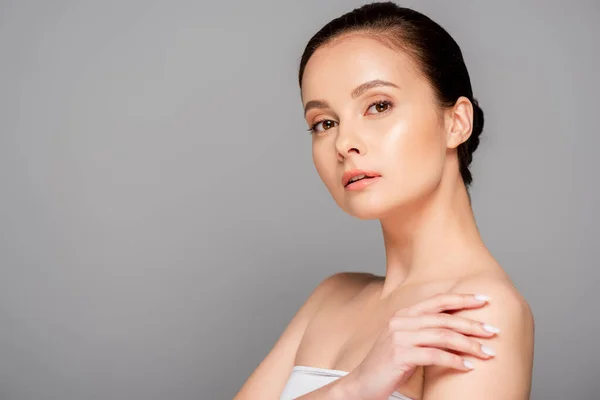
pixel 478 120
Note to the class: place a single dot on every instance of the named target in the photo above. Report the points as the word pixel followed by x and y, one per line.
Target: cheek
pixel 325 164
pixel 414 155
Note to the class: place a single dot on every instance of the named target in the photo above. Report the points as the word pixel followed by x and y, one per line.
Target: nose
pixel 347 143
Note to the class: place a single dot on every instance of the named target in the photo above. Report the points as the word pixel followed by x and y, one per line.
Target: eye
pixel 380 106
pixel 325 124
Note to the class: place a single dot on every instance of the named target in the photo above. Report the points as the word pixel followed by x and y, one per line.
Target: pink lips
pixel 361 184
pixel 370 177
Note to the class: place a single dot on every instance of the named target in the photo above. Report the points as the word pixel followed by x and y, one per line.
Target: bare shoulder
pixel 269 377
pixel 508 373
pixel 507 306
pixel 345 280
pixel 350 282
pixel 341 288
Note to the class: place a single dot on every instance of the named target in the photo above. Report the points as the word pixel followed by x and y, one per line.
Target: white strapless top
pixel 307 379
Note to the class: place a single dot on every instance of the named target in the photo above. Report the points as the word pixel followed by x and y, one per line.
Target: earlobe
pixel 460 122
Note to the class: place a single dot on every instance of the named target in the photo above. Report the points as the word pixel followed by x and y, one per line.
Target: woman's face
pixel 394 129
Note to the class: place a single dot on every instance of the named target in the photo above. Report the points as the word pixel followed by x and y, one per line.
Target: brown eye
pixel 328 124
pixel 380 106
pixel 325 125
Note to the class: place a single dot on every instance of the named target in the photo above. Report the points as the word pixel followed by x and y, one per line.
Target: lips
pixel 356 175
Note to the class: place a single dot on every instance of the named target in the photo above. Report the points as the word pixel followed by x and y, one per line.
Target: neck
pixel 433 238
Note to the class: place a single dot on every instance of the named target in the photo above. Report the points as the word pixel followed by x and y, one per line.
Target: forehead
pixel 338 67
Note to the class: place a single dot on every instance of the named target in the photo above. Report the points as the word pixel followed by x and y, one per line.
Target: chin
pixel 365 207
pixel 380 204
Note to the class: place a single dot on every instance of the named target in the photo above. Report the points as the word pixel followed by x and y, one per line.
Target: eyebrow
pixel 359 90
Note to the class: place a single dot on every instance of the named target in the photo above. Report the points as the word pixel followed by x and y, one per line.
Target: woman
pixel 388 101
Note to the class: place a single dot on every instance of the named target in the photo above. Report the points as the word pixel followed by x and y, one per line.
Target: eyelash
pixel 312 129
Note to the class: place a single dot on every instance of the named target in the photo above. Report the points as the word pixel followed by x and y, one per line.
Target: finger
pixel 445 302
pixel 458 324
pixel 424 356
pixel 444 339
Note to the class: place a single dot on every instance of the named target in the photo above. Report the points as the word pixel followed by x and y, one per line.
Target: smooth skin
pixel 372 109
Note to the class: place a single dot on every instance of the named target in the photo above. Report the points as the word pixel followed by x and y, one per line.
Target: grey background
pixel 161 220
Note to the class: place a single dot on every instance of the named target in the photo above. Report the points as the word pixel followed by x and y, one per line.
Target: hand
pixel 420 335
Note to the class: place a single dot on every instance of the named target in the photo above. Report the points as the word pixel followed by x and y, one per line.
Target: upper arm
pixel 505 376
pixel 270 376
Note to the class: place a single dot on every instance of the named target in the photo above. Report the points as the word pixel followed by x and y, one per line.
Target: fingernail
pixel 488 351
pixel 468 364
pixel 482 297
pixel 490 328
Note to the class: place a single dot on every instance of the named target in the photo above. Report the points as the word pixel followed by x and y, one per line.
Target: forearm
pixel 341 389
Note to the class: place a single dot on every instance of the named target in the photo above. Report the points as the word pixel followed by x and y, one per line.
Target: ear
pixel 459 122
